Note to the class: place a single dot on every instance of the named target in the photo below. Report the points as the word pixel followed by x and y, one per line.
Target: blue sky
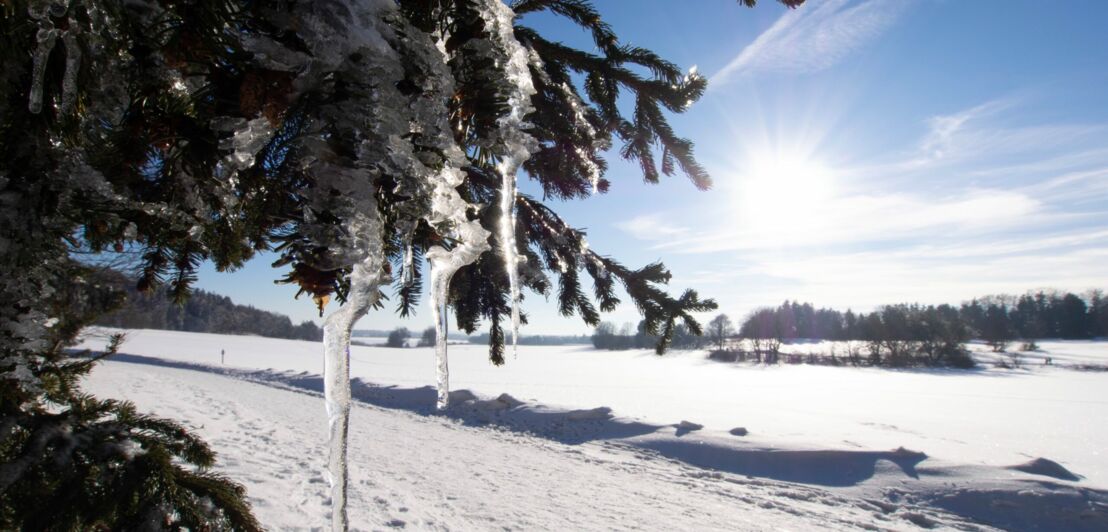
pixel 864 152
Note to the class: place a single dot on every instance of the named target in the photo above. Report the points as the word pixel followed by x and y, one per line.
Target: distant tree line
pixel 914 334
pixel 898 335
pixel 894 335
pixel 609 337
pixel 538 339
pixel 1030 316
pixel 202 312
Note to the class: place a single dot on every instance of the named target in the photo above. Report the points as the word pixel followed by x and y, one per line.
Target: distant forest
pixel 202 312
pixel 999 318
pixel 902 334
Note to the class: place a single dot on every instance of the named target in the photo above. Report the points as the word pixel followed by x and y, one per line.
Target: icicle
pixel 508 249
pixel 336 369
pixel 448 207
pixel 519 145
pixel 365 279
pixel 72 66
pixel 440 282
pixel 45 37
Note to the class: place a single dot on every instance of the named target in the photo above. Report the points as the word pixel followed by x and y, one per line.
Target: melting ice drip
pixel 517 143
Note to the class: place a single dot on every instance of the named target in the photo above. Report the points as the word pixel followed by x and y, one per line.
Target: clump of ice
pixel 248 138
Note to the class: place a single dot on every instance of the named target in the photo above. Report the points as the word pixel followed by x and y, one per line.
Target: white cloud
pixel 651 227
pixel 814 37
pixel 872 278
pixel 857 219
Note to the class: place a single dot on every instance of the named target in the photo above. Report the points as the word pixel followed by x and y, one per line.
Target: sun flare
pixel 783 195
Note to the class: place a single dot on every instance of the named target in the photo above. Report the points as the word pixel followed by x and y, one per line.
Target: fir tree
pixel 355 138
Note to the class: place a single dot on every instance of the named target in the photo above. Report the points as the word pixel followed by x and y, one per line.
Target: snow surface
pixel 428 472
pixel 838 447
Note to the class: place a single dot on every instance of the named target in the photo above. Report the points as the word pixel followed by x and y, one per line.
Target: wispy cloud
pixel 867 279
pixel 934 272
pixel 1076 187
pixel 854 219
pixel 984 144
pixel 814 37
pixel 945 130
pixel 651 227
pixel 971 134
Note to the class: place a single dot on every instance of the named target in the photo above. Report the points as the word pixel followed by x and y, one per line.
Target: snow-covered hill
pixel 827 447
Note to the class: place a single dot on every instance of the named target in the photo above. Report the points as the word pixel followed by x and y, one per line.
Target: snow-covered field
pixel 819 453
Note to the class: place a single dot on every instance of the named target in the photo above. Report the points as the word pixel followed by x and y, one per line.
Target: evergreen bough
pixel 344 135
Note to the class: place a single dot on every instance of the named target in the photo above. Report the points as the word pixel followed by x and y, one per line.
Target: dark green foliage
pixel 116 160
pixel 69 461
pixel 143 150
pixel 101 464
pixel 571 129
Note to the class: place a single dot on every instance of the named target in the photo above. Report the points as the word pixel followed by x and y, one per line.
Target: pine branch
pixel 580 12
pixel 567 246
pixel 605 77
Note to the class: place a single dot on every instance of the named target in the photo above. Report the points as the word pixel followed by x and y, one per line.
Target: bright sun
pixel 782 196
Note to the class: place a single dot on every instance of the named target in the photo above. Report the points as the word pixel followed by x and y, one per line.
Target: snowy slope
pixel 987 417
